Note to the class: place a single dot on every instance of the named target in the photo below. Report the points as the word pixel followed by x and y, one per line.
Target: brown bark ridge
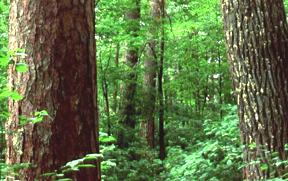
pixel 256 36
pixel 150 74
pixel 128 102
pixel 58 38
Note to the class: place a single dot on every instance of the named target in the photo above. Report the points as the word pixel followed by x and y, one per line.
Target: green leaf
pixel 16 96
pixel 6 93
pixel 252 145
pixel 41 113
pixel 60 175
pixel 286 147
pixel 88 159
pixel 264 166
pixel 229 162
pixel 95 155
pixel 23 120
pixel 39 116
pixel 49 174
pixel 74 163
pixel 86 166
pixel 21 67
pixel 4 61
pixel 36 120
pixel 275 154
pixel 67 171
pixel 107 139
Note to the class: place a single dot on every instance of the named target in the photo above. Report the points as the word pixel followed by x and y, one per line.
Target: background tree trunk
pixel 150 65
pixel 58 38
pixel 105 91
pixel 162 153
pixel 116 82
pixel 128 102
pixel 256 35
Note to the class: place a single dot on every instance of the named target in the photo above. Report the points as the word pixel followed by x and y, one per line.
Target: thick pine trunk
pixel 128 121
pixel 256 35
pixel 58 38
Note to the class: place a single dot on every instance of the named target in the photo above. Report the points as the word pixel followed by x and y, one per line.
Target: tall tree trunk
pixel 126 133
pixel 150 65
pixel 105 91
pixel 116 83
pixel 58 38
pixel 162 153
pixel 220 83
pixel 256 36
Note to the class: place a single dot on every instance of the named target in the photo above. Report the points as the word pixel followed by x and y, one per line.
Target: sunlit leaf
pixel 86 166
pixel 22 67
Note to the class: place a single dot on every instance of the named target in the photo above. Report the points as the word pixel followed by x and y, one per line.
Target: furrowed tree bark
pixel 58 38
pixel 256 36
pixel 128 122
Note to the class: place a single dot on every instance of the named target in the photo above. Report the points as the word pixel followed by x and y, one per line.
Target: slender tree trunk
pixel 256 36
pixel 126 133
pixel 150 65
pixel 107 105
pixel 206 94
pixel 58 38
pixel 105 91
pixel 116 84
pixel 150 92
pixel 162 153
pixel 220 83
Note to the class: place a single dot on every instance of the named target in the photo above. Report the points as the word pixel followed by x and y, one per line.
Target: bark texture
pixel 58 38
pixel 128 102
pixel 256 35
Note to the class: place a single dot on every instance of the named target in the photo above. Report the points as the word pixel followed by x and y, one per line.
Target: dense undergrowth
pixel 214 155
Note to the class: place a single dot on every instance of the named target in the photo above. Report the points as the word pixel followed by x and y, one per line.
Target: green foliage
pixel 4 11
pixel 38 117
pixel 106 139
pixel 6 93
pixel 87 162
pixel 21 67
pixel 217 157
pixel 197 90
pixel 133 164
pixel 12 170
